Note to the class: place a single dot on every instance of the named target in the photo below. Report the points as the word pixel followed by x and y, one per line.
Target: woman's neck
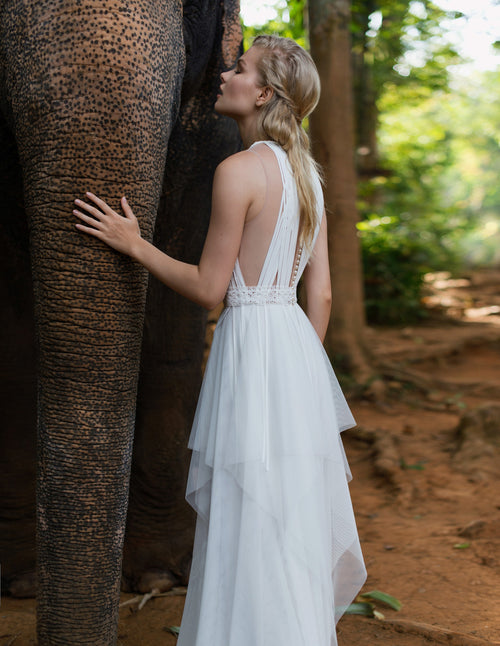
pixel 248 132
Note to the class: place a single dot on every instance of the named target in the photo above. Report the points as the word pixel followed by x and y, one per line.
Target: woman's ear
pixel 265 93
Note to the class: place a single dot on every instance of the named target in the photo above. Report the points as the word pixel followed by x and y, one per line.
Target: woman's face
pixel 240 88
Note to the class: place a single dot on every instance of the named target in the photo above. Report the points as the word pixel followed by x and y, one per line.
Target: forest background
pixel 426 142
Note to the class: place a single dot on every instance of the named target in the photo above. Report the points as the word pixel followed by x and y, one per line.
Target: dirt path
pixel 429 523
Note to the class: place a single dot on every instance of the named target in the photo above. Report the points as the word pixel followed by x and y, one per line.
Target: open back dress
pixel 276 556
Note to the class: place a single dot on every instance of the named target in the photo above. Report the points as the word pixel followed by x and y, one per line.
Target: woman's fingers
pixel 126 208
pixel 86 218
pixel 90 209
pixel 90 230
pixel 98 213
pixel 100 203
pixel 100 221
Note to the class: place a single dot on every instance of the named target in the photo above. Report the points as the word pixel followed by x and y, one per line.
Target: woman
pixel 276 558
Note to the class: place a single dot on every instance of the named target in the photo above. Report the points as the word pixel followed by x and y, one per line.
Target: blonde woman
pixel 276 557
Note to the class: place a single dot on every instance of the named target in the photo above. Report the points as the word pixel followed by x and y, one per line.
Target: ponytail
pixel 290 71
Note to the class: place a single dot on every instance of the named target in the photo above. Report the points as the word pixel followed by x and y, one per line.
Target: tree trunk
pixel 332 134
pixel 365 94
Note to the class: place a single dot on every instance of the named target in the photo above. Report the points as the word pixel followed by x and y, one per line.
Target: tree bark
pixel 333 141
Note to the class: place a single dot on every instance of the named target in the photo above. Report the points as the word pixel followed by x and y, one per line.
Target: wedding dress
pixel 276 556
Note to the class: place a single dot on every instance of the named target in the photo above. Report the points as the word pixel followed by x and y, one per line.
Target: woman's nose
pixel 225 76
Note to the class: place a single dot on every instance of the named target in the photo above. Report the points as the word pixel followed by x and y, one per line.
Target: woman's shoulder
pixel 243 166
pixel 241 158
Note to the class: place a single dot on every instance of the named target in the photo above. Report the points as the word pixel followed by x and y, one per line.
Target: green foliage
pixel 383 597
pixel 417 466
pixel 471 182
pixel 402 41
pixel 394 262
pixel 431 200
pixel 438 206
pixel 360 608
pixel 429 196
pixel 365 604
pixel 290 22
pixel 401 79
pixel 400 58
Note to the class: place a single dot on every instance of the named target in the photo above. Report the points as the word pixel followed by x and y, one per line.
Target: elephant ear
pixel 205 22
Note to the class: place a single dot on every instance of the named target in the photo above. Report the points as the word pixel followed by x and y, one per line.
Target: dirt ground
pixel 427 499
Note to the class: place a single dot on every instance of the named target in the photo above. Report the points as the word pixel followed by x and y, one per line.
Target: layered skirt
pixel 276 557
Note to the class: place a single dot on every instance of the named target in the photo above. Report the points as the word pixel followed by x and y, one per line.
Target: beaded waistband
pixel 260 295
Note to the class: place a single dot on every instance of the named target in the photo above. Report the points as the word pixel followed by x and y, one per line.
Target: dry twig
pixel 142 599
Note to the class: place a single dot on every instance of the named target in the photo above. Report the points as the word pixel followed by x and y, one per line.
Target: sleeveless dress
pixel 276 556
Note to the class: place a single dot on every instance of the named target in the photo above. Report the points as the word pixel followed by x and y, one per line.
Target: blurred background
pixel 425 79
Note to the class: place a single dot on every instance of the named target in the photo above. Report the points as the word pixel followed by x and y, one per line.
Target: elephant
pixel 101 366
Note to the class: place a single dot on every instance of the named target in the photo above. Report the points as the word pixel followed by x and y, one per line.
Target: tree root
pixel 428 384
pixel 422 381
pixel 394 365
pixel 441 349
pixel 433 634
pixel 387 462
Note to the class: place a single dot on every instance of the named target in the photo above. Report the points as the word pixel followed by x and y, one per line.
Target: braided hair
pixel 290 71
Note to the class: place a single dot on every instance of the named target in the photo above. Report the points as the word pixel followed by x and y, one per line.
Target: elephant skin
pixel 174 332
pixel 113 97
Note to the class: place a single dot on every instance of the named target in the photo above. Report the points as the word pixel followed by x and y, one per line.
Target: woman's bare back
pixel 262 218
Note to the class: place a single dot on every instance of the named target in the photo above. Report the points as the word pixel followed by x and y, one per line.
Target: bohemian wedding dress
pixel 276 557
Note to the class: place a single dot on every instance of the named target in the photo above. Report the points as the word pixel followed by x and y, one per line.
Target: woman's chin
pixel 219 107
pixel 220 110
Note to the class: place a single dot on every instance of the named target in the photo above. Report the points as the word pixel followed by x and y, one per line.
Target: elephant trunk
pixel 92 90
pixel 160 525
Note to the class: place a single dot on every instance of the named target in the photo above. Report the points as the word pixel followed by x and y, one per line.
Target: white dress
pixel 276 556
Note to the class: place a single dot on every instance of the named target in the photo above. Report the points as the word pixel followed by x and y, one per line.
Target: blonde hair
pixel 290 71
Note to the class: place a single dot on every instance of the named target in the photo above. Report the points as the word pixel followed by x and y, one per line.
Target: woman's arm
pixel 317 284
pixel 207 282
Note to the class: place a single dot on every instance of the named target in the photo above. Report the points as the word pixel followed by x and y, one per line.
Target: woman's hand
pixel 121 233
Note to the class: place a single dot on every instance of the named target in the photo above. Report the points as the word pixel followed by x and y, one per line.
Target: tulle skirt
pixel 276 557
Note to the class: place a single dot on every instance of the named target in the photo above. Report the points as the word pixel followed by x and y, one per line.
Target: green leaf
pixel 461 546
pixel 365 609
pixel 174 630
pixel 418 466
pixel 383 597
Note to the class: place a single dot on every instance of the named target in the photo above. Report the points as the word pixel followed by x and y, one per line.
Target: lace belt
pixel 260 295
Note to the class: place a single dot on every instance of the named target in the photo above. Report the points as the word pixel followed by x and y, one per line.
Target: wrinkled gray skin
pixel 92 95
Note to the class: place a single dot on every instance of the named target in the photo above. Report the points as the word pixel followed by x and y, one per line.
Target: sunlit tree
pixel 333 139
